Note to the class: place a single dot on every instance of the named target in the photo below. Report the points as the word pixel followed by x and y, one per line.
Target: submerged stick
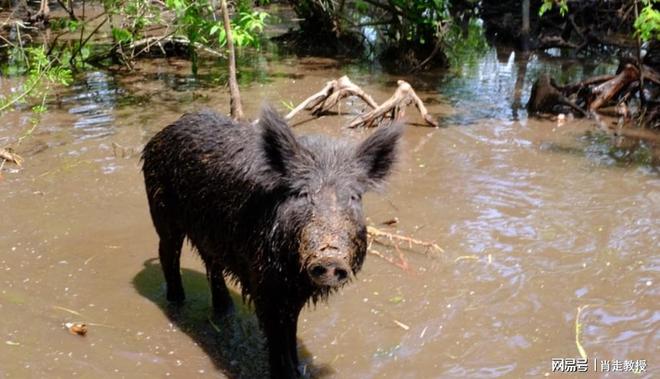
pixel 398 241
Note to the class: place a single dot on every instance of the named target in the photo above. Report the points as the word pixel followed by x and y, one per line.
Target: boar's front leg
pixel 222 303
pixel 279 320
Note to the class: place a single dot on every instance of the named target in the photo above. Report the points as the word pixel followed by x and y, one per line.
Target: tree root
pixel 597 94
pixel 606 91
pixel 546 96
pixel 394 108
pixel 334 90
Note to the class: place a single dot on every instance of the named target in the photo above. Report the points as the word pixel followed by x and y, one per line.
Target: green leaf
pixel 122 35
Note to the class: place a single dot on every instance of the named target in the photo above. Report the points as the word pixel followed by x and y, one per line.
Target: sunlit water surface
pixel 537 220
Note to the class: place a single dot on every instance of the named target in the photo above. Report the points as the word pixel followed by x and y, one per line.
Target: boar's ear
pixel 377 154
pixel 281 149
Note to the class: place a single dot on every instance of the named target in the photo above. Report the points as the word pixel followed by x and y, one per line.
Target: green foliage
pixel 246 27
pixel 122 35
pixel 41 67
pixel 195 19
pixel 41 73
pixel 647 25
pixel 135 16
pixel 421 20
pixel 548 4
pixel 465 48
pixel 58 24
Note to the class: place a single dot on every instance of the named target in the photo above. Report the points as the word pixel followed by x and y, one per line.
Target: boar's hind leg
pixel 169 253
pixel 222 303
pixel 171 236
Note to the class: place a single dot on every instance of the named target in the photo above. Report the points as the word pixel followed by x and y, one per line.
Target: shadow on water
pixel 235 342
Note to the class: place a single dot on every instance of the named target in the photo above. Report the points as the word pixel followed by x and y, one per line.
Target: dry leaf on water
pixel 76 328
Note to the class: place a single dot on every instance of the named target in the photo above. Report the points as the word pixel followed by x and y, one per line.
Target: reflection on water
pixel 498 85
pixel 92 101
pixel 536 220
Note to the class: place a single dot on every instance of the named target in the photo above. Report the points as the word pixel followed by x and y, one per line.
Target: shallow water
pixel 536 220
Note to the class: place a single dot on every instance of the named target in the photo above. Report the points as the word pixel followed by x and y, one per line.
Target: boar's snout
pixel 329 271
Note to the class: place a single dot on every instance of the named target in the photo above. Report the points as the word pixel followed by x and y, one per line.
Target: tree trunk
pixel 524 32
pixel 236 108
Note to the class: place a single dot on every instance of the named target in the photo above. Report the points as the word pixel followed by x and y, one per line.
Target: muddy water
pixel 537 221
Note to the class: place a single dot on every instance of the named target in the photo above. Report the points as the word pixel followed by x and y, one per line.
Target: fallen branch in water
pixel 7 155
pixel 602 94
pixel 403 242
pixel 394 108
pixel 402 263
pixel 606 91
pixel 162 43
pixel 334 90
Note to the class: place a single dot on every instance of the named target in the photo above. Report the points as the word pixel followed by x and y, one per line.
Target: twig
pixel 9 156
pixel 150 41
pixel 25 93
pixel 382 256
pixel 83 43
pixel 235 105
pixel 397 240
pixel 68 10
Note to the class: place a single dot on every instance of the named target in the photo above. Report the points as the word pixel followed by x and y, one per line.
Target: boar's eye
pixel 303 194
pixel 355 197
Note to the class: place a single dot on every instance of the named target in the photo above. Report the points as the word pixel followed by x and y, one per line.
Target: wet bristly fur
pixel 257 203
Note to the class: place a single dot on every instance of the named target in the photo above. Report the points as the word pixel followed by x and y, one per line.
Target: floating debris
pixel 578 330
pixel 401 325
pixel 7 154
pixel 77 328
pixel 390 222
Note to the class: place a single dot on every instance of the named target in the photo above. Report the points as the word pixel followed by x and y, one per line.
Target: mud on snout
pixel 327 256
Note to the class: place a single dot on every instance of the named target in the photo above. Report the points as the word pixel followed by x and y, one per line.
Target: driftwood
pixel 606 95
pixel 9 156
pixel 403 242
pixel 651 75
pixel 546 97
pixel 394 108
pixel 570 88
pixel 588 96
pixel 334 90
pixel 399 243
pixel 606 91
